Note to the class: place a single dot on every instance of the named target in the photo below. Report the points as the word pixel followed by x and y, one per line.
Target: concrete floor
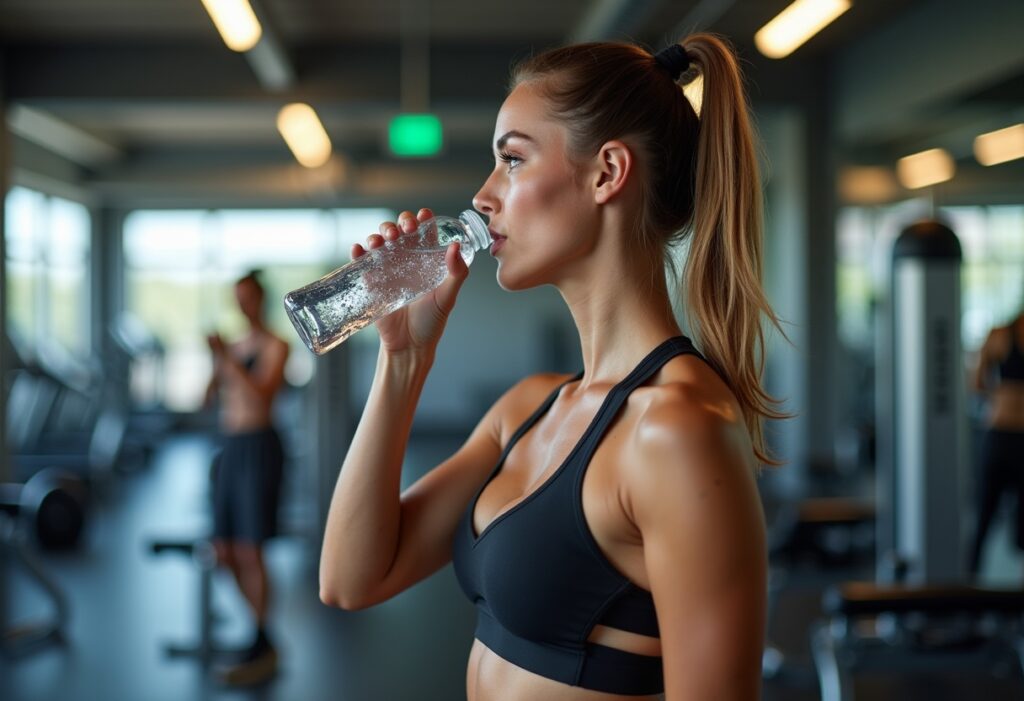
pixel 126 603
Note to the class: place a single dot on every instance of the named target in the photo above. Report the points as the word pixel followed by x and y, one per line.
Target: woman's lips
pixel 499 241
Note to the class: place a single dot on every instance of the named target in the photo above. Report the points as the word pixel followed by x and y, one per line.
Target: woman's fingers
pixel 388 229
pixel 407 222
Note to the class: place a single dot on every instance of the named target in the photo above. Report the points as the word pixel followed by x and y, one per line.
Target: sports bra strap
pixel 648 367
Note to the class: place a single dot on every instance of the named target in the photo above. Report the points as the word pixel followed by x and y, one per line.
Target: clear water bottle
pixel 328 311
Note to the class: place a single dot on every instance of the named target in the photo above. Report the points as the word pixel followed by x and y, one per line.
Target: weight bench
pixel 829 531
pixel 865 617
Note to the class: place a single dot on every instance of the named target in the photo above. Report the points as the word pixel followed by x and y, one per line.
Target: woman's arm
pixel 211 391
pixel 982 369
pixel 364 521
pixel 376 542
pixel 693 496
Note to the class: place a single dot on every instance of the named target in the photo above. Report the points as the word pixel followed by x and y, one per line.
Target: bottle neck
pixel 477 234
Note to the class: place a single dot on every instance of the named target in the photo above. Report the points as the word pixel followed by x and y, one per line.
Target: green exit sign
pixel 415 135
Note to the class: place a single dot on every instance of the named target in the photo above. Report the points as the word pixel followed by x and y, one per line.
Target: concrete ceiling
pixel 140 104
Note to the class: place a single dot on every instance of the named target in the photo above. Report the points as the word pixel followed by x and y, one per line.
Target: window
pixel 48 250
pixel 992 284
pixel 180 267
pixel 993 279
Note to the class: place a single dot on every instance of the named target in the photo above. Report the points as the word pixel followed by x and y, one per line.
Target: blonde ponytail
pixel 725 299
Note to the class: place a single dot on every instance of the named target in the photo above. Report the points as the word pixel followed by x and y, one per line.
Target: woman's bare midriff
pixel 1006 412
pixel 492 678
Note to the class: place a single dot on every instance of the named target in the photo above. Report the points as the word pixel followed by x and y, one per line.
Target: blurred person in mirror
pixel 246 476
pixel 999 379
pixel 606 525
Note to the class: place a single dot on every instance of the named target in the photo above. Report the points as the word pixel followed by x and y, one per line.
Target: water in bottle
pixel 328 311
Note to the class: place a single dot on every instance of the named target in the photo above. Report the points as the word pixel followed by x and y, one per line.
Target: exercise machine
pixel 918 603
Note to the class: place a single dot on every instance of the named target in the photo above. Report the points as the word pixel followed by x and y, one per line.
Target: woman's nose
pixel 483 200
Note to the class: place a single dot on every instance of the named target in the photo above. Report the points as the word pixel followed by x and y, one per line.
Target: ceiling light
pixel 796 24
pixel 867 185
pixel 236 22
pixel 925 168
pixel 1000 146
pixel 304 134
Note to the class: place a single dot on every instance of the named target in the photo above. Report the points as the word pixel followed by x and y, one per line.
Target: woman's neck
pixel 621 314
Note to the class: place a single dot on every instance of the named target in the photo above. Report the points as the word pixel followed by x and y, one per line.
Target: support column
pixel 329 429
pixel 106 271
pixel 5 171
pixel 822 333
pixel 800 279
pixel 786 254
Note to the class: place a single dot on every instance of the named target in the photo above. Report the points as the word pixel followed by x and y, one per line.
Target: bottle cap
pixel 479 235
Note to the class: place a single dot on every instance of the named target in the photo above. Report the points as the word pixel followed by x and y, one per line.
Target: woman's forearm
pixel 363 524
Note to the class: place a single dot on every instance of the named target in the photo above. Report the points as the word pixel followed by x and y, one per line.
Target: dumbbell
pixel 50 506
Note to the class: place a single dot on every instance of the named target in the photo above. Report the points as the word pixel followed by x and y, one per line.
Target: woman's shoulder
pixel 524 397
pixel 533 390
pixel 688 390
pixel 690 412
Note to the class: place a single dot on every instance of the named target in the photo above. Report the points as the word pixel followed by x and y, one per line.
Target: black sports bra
pixel 538 578
pixel 1012 366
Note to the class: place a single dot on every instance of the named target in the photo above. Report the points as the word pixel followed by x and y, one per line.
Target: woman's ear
pixel 614 163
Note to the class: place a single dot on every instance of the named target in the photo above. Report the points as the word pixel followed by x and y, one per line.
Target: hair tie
pixel 673 59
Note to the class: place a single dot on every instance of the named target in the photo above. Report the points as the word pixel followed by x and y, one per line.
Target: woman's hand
pixel 417 327
pixel 216 344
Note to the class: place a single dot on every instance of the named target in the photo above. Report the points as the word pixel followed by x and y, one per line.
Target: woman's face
pixel 535 199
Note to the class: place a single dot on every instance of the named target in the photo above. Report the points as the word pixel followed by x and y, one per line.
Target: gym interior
pixel 144 173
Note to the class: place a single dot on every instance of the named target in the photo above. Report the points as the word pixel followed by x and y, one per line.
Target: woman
pixel 1000 375
pixel 649 574
pixel 247 476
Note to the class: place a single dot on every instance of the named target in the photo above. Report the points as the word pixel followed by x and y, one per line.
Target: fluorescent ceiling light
pixel 1000 146
pixel 925 168
pixel 796 24
pixel 304 134
pixel 236 22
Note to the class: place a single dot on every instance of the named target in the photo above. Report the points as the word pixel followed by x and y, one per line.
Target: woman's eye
pixel 511 160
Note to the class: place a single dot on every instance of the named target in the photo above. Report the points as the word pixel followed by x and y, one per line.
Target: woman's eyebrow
pixel 503 140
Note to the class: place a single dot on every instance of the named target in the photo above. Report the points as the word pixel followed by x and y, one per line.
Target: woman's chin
pixel 511 283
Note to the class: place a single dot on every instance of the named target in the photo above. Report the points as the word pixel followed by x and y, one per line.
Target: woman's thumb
pixel 458 271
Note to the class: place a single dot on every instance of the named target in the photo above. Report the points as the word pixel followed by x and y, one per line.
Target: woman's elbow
pixel 348 596
pixel 330 596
